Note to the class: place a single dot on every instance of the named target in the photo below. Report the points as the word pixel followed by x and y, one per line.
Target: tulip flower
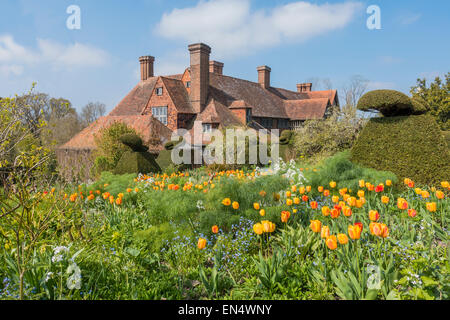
pixel 262 212
pixel 314 205
pixel 296 200
pixel 388 183
pixel 335 213
pixel 431 206
pixel 342 238
pixel 326 211
pixel 335 199
pixel 412 213
pixel 320 189
pixel 402 204
pixel 289 202
pixel 326 193
pixel 201 244
pixel 445 184
pixel 385 199
pixel 440 195
pixel 354 232
pixel 235 205
pixel 332 184
pixel 285 215
pixel 331 242
pixel 362 183
pixel 347 211
pixel 379 188
pixel 215 229
pixel 305 198
pixel 374 215
pixel 325 232
pixel 316 226
pixel 258 229
pixel 256 206
pixel 288 194
pixel 226 202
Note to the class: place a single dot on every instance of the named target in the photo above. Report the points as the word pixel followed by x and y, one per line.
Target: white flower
pixel 48 276
pixel 74 280
pixel 200 205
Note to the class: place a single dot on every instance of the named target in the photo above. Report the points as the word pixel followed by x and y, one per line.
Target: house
pixel 203 93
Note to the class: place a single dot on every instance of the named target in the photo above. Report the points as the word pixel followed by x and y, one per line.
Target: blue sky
pixel 299 40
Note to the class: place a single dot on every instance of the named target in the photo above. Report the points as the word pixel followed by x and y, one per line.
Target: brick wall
pixel 162 101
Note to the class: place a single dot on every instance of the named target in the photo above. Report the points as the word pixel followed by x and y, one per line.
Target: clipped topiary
pixel 388 102
pixel 138 159
pixel 286 137
pixel 419 105
pixel 172 144
pixel 409 146
pixel 133 141
pixel 136 162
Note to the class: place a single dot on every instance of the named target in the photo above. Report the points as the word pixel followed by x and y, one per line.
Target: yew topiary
pixel 388 102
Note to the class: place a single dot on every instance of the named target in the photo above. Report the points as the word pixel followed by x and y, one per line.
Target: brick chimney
pixel 304 87
pixel 146 67
pixel 199 75
pixel 264 76
pixel 216 67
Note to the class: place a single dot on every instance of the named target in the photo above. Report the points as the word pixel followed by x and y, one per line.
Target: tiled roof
pixel 216 112
pixel 136 100
pixel 179 95
pixel 306 109
pixel 264 102
pixel 144 125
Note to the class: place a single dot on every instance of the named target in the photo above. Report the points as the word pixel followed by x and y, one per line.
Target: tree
pixel 436 97
pixel 91 112
pixel 355 89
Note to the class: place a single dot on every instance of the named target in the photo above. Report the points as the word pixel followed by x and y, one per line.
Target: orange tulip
pixel 354 232
pixel 412 213
pixel 201 244
pixel 402 204
pixel 362 183
pixel 445 184
pixel 361 193
pixel 235 205
pixel 325 232
pixel 256 206
pixel 385 199
pixel 425 194
pixel 119 201
pixel 316 226
pixel 305 198
pixel 431 206
pixel 285 215
pixel 320 189
pixel 288 194
pixel 258 229
pixel 332 184
pixel 326 193
pixel 388 183
pixel 215 229
pixel 289 202
pixel 335 213
pixel 262 212
pixel 326 211
pixel 308 188
pixel 440 195
pixel 331 242
pixel 347 211
pixel 314 205
pixel 226 202
pixel 296 200
pixel 374 215
pixel 335 199
pixel 342 238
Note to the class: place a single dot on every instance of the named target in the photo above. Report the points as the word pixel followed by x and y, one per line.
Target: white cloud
pixel 14 57
pixel 232 29
pixel 410 18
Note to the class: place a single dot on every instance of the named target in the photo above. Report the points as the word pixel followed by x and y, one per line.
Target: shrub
pixel 411 147
pixel 388 102
pixel 340 168
pixel 420 106
pixel 136 162
pixel 322 138
pixel 133 141
pixel 447 137
pixel 110 147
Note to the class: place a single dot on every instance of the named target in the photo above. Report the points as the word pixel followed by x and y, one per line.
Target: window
pixel 159 91
pixel 207 128
pixel 248 115
pixel 266 123
pixel 188 84
pixel 283 123
pixel 160 113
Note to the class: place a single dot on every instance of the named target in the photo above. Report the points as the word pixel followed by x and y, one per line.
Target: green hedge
pixel 133 141
pixel 136 162
pixel 410 146
pixel 387 102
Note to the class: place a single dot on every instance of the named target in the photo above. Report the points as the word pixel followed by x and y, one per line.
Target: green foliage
pixel 133 141
pixel 340 168
pixel 109 145
pixel 447 137
pixel 136 162
pixel 411 147
pixel 156 236
pixel 436 97
pixel 114 184
pixel 388 102
pixel 321 138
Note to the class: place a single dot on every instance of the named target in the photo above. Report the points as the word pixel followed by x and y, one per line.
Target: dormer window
pixel 207 128
pixel 159 91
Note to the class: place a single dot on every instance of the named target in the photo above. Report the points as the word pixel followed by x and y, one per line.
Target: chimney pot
pixel 216 67
pixel 264 76
pixel 304 87
pixel 146 67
